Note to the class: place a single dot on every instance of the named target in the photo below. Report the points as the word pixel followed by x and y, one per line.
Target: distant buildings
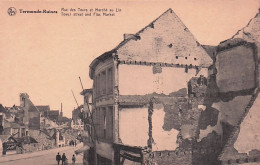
pixel 44 110
pixel 54 115
pixel 29 128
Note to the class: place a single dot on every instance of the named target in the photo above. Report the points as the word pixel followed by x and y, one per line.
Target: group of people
pixel 64 159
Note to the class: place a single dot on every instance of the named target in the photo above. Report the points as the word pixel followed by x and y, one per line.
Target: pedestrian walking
pixel 58 158
pixel 75 143
pixel 63 159
pixel 73 159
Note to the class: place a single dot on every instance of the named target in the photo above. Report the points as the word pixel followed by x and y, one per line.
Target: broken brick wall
pixel 206 142
pixel 173 120
pixel 207 150
pixel 165 123
pixel 173 129
pixel 236 84
pixel 244 140
pixel 187 119
pixel 138 83
pixel 180 116
pixel 168 157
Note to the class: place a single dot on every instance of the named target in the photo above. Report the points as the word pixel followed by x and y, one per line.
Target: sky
pixel 44 54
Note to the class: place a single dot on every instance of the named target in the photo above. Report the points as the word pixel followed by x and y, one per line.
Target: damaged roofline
pixel 108 54
pixel 246 25
pixel 97 60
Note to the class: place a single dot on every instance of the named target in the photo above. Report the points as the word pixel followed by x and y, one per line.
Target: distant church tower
pixel 23 99
pixel 61 113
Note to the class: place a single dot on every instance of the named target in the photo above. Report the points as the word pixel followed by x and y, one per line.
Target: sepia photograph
pixel 169 82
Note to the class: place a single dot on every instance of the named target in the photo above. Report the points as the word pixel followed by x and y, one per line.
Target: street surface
pixel 47 157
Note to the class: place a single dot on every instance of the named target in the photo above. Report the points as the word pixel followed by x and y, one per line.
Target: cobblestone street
pixel 46 157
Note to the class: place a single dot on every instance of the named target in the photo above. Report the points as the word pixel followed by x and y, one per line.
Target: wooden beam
pixel 131 157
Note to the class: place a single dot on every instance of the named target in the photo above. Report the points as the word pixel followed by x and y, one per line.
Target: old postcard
pixel 129 82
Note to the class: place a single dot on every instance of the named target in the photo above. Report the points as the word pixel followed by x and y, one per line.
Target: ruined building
pixel 27 127
pixel 161 98
pixel 31 118
pixel 239 83
pixel 76 122
pixel 44 110
pixel 88 133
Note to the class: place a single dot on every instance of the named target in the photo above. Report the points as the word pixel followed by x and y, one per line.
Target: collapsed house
pixel 161 98
pixel 26 128
pixel 243 49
